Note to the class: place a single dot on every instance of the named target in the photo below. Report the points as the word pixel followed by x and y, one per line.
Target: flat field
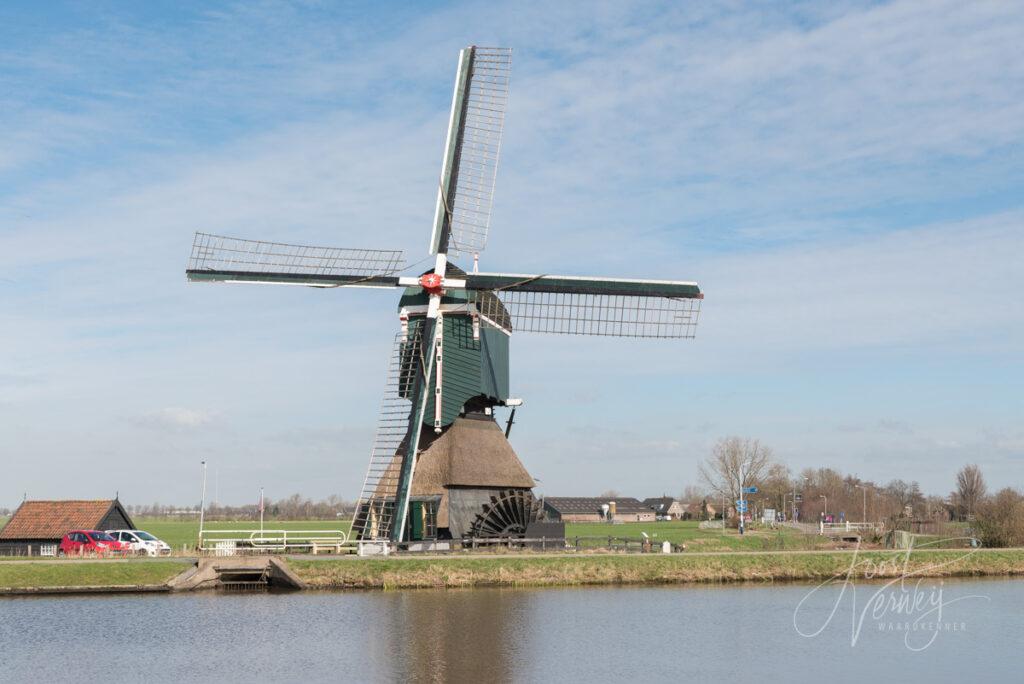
pixel 180 533
pixel 688 532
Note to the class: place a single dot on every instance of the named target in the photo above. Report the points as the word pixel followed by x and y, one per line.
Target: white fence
pixel 232 542
pixel 832 528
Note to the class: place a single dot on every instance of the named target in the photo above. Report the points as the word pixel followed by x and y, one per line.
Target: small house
pixel 665 507
pixel 37 527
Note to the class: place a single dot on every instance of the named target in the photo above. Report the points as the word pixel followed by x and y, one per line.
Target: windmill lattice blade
pixel 568 313
pixel 582 285
pixel 478 147
pixel 377 502
pixel 219 253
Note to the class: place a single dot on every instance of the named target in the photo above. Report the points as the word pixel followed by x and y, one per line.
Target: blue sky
pixel 845 180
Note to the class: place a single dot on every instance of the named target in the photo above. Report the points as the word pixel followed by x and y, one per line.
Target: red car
pixel 90 542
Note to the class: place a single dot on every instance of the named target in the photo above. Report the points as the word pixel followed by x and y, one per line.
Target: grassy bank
pixel 47 574
pixel 525 570
pixel 402 573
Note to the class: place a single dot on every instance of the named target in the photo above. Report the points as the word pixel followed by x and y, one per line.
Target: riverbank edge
pixel 526 570
pixel 78 590
pixel 652 569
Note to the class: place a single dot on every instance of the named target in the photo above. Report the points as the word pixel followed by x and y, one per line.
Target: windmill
pixel 440 464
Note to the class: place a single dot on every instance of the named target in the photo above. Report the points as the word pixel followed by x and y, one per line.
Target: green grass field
pixel 184 532
pixel 179 532
pixel 687 532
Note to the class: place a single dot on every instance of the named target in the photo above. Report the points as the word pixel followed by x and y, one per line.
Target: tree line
pixel 816 493
pixel 294 507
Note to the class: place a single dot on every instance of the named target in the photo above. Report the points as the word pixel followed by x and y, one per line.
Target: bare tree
pixel 970 488
pixel 734 463
pixel 692 494
pixel 610 494
pixel 1000 518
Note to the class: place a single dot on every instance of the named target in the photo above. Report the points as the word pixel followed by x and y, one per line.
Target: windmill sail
pixel 462 216
pixel 215 257
pixel 572 305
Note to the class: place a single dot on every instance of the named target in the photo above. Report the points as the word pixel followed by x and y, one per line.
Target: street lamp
pixel 822 496
pixel 864 490
pixel 202 507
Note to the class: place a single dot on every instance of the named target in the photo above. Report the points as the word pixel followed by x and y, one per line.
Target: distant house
pixel 37 527
pixel 701 511
pixel 666 507
pixel 588 509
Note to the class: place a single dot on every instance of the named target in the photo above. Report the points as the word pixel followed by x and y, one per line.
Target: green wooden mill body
pixel 475 367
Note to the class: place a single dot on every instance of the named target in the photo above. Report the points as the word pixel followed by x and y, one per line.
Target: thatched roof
pixel 471 452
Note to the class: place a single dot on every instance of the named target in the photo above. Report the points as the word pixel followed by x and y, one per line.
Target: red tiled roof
pixel 52 519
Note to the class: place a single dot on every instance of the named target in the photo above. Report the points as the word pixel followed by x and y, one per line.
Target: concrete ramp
pixel 238 573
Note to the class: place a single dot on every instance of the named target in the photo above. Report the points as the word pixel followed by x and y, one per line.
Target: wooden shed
pixel 37 527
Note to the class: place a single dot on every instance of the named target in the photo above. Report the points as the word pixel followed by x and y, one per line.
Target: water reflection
pixel 494 635
pixel 453 635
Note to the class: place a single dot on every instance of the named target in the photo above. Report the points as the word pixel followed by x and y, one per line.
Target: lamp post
pixel 825 514
pixel 864 491
pixel 202 506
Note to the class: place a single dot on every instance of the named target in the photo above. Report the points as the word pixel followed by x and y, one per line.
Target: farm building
pixel 666 507
pixel 37 527
pixel 588 509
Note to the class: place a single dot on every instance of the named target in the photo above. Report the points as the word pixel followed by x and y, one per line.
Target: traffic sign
pixel 741 506
pixel 750 490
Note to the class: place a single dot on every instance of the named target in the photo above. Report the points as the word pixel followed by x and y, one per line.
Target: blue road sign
pixel 741 506
pixel 750 490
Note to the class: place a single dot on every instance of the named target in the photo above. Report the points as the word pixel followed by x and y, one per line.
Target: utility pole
pixel 864 491
pixel 742 501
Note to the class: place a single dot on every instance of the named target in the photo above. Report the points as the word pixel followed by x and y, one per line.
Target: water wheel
pixel 507 514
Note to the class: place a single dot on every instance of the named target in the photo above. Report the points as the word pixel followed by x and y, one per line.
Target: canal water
pixel 954 631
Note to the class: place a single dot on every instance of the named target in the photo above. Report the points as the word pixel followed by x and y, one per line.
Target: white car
pixel 141 542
